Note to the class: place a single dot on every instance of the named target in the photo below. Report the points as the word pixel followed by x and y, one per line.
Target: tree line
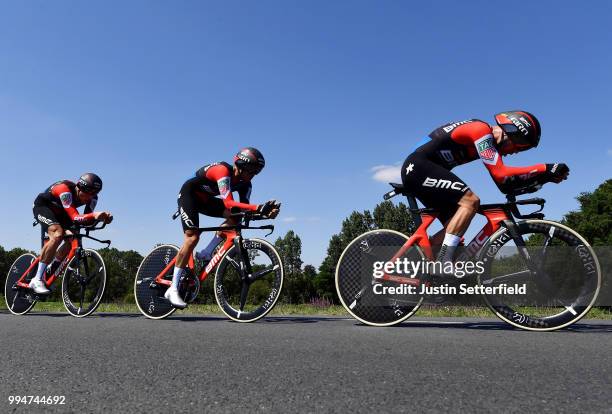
pixel 307 284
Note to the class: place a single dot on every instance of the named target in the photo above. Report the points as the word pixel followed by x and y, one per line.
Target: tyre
pixel 357 289
pixel 83 283
pixel 247 298
pixel 148 295
pixel 557 270
pixel 20 301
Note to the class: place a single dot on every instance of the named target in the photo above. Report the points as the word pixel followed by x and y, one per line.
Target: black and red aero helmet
pixel 521 127
pixel 250 159
pixel 90 183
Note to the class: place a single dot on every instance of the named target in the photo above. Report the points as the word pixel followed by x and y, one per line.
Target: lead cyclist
pixel 426 172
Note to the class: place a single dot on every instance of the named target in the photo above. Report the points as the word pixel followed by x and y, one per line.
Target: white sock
pixel 449 245
pixel 40 271
pixel 176 277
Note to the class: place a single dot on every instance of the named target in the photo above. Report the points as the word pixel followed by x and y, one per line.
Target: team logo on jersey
pixel 224 186
pixel 206 168
pixel 454 125
pixel 66 199
pixel 486 150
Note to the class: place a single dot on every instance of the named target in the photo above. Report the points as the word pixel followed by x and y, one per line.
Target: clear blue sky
pixel 146 92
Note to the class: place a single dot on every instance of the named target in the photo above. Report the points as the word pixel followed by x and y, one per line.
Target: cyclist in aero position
pixel 427 171
pixel 210 192
pixel 56 209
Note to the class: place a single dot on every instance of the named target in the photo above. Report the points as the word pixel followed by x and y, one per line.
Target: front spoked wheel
pixel 84 283
pixel 20 301
pixel 247 297
pixel 368 300
pixel 555 277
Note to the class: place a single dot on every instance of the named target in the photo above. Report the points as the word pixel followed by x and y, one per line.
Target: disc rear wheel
pixel 20 301
pixel 149 296
pixel 365 298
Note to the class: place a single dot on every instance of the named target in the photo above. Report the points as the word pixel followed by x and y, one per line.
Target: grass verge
pixel 287 309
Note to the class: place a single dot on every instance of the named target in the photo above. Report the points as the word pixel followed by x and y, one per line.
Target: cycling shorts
pixel 192 203
pixel 434 186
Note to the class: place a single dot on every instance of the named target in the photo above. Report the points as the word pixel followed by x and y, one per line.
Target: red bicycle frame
pixel 229 241
pixel 494 216
pixel 49 279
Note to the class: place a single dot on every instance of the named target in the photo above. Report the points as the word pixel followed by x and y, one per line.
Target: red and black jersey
pixel 458 143
pixel 217 179
pixel 61 198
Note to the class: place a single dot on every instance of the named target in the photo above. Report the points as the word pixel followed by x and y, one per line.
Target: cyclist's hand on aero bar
pixel 557 172
pixel 104 216
pixel 269 209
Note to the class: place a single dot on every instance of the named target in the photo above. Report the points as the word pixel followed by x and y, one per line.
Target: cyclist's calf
pixel 468 206
pixel 56 236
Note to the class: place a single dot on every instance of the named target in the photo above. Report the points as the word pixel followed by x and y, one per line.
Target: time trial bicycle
pixel 556 265
pixel 248 278
pixel 83 271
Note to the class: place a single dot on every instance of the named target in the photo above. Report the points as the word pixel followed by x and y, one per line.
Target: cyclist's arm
pixel 481 136
pixel 221 175
pixel 89 208
pixel 65 196
pixel 244 193
pixel 502 173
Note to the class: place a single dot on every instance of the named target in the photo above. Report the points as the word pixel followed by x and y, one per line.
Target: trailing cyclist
pixel 209 192
pixel 427 171
pixel 56 210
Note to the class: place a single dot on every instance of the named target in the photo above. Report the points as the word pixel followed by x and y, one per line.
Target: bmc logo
pixel 432 182
pixel 186 218
pixel 45 220
pixel 454 125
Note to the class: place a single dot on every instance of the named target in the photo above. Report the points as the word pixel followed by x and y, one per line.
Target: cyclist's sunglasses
pixel 90 191
pixel 514 134
pixel 252 169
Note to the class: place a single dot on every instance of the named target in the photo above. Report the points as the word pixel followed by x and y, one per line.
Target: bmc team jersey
pixel 210 192
pixel 427 171
pixel 58 205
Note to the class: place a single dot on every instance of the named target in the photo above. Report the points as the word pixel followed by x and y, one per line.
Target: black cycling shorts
pixel 434 186
pixel 47 217
pixel 191 204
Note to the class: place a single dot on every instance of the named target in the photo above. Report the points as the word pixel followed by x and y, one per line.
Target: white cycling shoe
pixel 39 287
pixel 175 299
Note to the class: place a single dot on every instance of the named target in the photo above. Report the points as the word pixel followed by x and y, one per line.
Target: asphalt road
pixel 126 363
